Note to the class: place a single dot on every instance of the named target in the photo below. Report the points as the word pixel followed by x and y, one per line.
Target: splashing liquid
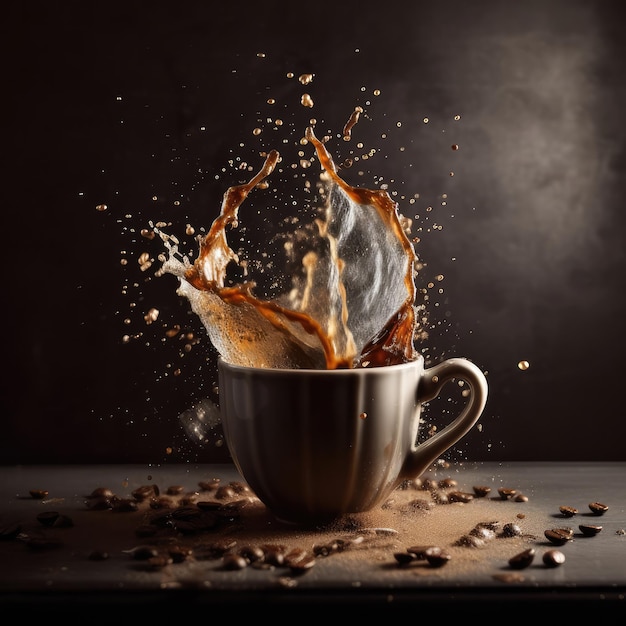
pixel 351 302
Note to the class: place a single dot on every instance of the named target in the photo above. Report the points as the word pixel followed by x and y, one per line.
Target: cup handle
pixel 429 387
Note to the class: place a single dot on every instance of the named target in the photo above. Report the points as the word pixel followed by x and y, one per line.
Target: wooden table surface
pixel 59 551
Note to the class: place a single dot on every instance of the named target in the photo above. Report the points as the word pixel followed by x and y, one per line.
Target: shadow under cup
pixel 316 444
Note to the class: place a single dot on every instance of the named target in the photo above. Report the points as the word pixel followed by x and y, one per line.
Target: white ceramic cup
pixel 316 444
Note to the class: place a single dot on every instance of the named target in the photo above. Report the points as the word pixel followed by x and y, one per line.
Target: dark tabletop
pixel 61 548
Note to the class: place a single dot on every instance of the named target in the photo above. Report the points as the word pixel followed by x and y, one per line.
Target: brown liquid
pixel 353 305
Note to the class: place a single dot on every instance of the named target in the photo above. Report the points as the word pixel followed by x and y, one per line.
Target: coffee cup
pixel 314 445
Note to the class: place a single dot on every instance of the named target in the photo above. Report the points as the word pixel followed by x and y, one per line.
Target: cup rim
pixel 419 359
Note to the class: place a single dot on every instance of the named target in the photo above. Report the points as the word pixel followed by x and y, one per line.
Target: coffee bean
pixel 144 492
pixel 437 557
pixel 505 493
pixel 567 532
pixel 174 490
pixel 224 492
pixel 481 491
pixel 558 536
pixel 209 485
pixel 447 483
pixel 404 558
pixel 418 552
pixel 295 555
pixel 568 511
pixel 38 494
pixel 553 558
pixel 252 553
pixel 428 484
pixel 303 566
pixel 274 554
pixel 416 483
pixel 234 562
pixel 597 508
pixel 460 496
pixel 523 559
pixel 299 560
pixel 589 530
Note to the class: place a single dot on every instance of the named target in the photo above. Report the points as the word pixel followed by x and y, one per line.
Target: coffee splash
pixel 351 302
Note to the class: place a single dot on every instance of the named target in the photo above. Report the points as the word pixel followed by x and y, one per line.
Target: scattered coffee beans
pixel 176 514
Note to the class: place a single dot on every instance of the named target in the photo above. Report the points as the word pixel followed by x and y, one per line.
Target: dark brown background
pixel 535 218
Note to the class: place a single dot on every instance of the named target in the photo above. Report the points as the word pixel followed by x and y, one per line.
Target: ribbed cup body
pixel 315 444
